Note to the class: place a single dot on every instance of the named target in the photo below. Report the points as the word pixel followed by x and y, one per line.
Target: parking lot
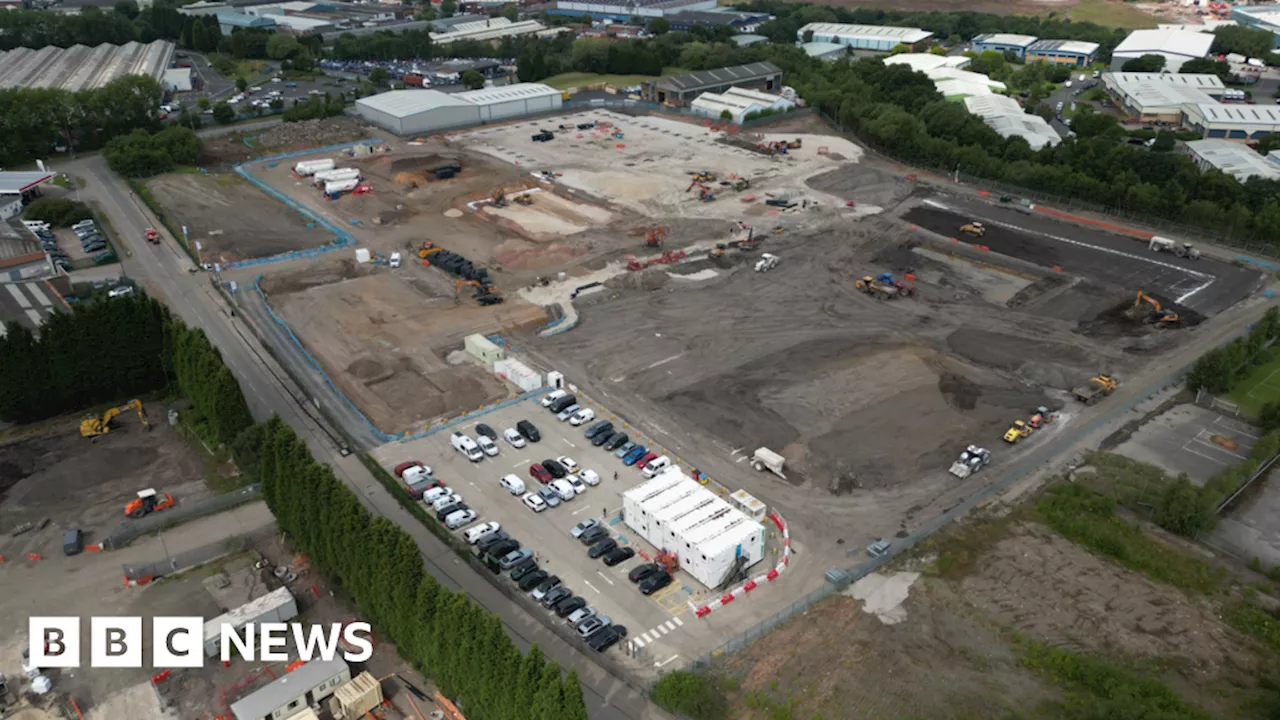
pixel 660 627
pixel 1191 439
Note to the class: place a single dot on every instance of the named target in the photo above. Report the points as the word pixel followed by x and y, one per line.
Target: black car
pixel 500 549
pixel 601 438
pixel 555 595
pixel 616 441
pixel 492 539
pixel 448 510
pixel 655 582
pixel 547 583
pixel 562 403
pixel 593 534
pixel 556 469
pixel 597 428
pixel 486 431
pixel 566 607
pixel 606 638
pixel 602 547
pixel 531 581
pixel 529 432
pixel 640 572
pixel 524 567
pixel 618 555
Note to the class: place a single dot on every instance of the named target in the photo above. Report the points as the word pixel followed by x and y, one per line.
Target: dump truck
pixel 878 290
pixel 1095 389
pixel 974 228
pixel 1182 250
pixel 971 461
pixel 766 459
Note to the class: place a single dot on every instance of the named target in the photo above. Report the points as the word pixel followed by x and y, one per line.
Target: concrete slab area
pixel 27 304
pixel 1191 439
pixel 1250 528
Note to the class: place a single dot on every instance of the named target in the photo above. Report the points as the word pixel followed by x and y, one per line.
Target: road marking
pixel 1214 446
pixel 665 361
pixel 518 464
pixel 677 621
pixel 645 637
pixel 35 317
pixel 17 295
pixel 661 630
pixel 566 442
pixel 575 512
pixel 1206 457
pixel 39 295
pixel 664 662
pixel 638 642
pixel 1232 429
pixel 593 588
pixel 606 577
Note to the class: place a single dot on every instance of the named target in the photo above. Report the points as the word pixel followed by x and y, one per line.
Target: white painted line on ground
pixel 35 317
pixel 1233 429
pixel 606 577
pixel 17 295
pixel 575 512
pixel 593 587
pixel 39 295
pixel 1214 446
pixel 677 621
pixel 662 629
pixel 645 638
pixel 1206 457
pixel 638 642
pixel 665 361
pixel 566 442
pixel 664 662
pixel 518 464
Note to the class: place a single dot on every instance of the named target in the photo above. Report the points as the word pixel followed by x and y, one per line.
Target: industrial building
pixel 83 68
pixel 1063 52
pixel 276 606
pixel 413 112
pixel 1259 17
pixel 1177 47
pixel 748 40
pixel 739 103
pixel 19 188
pixel 747 22
pixel 1006 117
pixel 487 29
pixel 1235 159
pixel 1160 97
pixel 176 80
pixel 1002 43
pixel 879 38
pixel 947 77
pixel 624 11
pixel 713 540
pixel 829 52
pixel 1234 122
pixel 293 693
pixel 924 62
pixel 229 21
pixel 680 90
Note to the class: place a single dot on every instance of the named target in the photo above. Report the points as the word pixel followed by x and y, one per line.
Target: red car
pixel 405 466
pixel 645 460
pixel 540 473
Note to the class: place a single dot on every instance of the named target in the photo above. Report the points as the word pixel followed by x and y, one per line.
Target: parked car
pixel 555 595
pixel 640 572
pixel 563 488
pixel 448 510
pixel 534 502
pixel 618 555
pixel 624 449
pixel 655 582
pixel 549 497
pixel 406 465
pixel 513 438
pixel 459 519
pixel 576 483
pixel 585 525
pixel 531 581
pixel 519 571
pixel 570 465
pixel 585 415
pixel 493 538
pixel 550 398
pixel 479 531
pixel 602 438
pixel 445 500
pixel 515 557
pixel 562 402
pixel 539 473
pixel 501 548
pixel 486 431
pixel 595 429
pixel 567 413
pixel 593 534
pixel 657 465
pixel 568 606
pixel 555 468
pixel 430 495
pixel 634 456
pixel 487 445
pixel 512 484
pixel 644 459
pixel 601 547
pixel 607 637
pixel 589 477
pixel 592 625
pixel 545 586
pixel 577 617
pixel 528 430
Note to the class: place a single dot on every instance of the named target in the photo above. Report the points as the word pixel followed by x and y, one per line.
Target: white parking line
pixel 645 638
pixel 518 464
pixel 661 630
pixel 1208 442
pixel 664 662
pixel 593 587
pixel 638 642
pixel 1232 428
pixel 1206 457
pixel 35 317
pixel 17 295
pixel 566 442
pixel 39 295
pixel 606 577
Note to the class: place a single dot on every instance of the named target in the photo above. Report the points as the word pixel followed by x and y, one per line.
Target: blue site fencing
pixel 342 238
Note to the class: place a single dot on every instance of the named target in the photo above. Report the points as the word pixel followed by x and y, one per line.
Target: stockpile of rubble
pixel 309 133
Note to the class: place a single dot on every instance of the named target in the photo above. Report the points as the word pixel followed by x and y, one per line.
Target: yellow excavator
pixel 974 228
pixel 1018 431
pixel 1159 315
pixel 95 426
pixel 427 248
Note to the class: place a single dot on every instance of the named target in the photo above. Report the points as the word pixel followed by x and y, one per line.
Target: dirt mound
pixel 647 279
pixel 309 133
pixel 519 254
pixel 1129 318
pixel 323 274
pixel 863 185
pixel 1041 362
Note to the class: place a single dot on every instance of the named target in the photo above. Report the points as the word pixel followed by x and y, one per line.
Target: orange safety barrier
pixel 982 247
pixel 620 145
pixel 1057 268
pixel 910 276
pixel 772 575
pixel 984 193
pixel 702 611
pixel 34 557
pixel 160 677
pixel 294 665
pixel 1095 223
pixel 93 548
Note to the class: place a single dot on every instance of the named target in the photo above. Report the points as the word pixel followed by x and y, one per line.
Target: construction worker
pixel 615 475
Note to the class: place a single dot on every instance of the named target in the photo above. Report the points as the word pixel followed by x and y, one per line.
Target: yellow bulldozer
pixel 92 427
pixel 703 176
pixel 523 199
pixel 975 228
pixel 1017 431
pixel 878 290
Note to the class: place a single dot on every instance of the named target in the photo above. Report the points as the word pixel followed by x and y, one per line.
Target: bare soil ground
pixel 231 218
pixel 222 153
pixel 383 337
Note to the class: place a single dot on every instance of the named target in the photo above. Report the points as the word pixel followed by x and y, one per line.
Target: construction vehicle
pixel 974 228
pixel 766 459
pixel 703 176
pixel 1019 430
pixel 766 262
pixel 704 192
pixel 498 198
pixel 147 502
pixel 655 237
pixel 1095 389
pixel 95 426
pixel 1159 316
pixel 877 290
pixel 741 184
pixel 1183 250
pixel 887 279
pixel 153 237
pixel 486 293
pixel 971 461
pixel 523 199
pixel 427 249
pixel 1041 418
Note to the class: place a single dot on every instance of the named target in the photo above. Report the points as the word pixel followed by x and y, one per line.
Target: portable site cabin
pixel 285 697
pixel 276 606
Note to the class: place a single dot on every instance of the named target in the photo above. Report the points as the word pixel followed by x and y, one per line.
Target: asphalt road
pixel 166 273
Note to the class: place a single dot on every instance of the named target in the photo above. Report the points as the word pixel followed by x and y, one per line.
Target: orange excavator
pixel 427 248
pixel 147 502
pixel 655 237
pixel 1160 316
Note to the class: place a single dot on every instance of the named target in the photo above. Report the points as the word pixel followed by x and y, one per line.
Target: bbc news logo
pixel 179 642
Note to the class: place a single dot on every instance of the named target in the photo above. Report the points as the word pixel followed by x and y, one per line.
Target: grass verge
pixel 1253 621
pixel 144 193
pixel 1135 485
pixel 1259 387
pixel 564 81
pixel 1111 13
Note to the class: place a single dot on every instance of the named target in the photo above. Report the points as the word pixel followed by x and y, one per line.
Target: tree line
pixel 463 648
pixel 143 154
pixel 1220 370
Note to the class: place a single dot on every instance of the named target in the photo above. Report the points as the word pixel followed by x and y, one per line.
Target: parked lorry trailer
pixel 335 175
pixel 338 187
pixel 307 168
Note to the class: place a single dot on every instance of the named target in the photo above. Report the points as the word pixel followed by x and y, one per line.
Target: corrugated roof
pixel 905 35
pixel 1078 47
pixel 1173 42
pixel 1234 159
pixel 402 103
pixel 712 78
pixel 82 68
pixel 1009 39
pixel 271 697
pixel 248 612
pixel 504 93
pixel 1152 90
pixel 818 49
pixel 1239 114
pixel 1006 117
pixel 922 62
pixel 12 183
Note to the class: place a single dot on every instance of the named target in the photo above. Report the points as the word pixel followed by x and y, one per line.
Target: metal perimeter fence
pixel 126 533
pixel 142 573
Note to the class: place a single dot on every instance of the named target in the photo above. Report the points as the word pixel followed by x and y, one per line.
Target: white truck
pixel 1182 250
pixel 467 447
pixel 307 168
pixel 340 186
pixel 766 262
pixel 335 175
pixel 971 461
pixel 766 459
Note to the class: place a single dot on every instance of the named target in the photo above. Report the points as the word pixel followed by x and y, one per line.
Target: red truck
pixel 412 80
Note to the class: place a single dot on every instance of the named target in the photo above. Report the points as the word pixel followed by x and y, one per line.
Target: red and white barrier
pixel 752 583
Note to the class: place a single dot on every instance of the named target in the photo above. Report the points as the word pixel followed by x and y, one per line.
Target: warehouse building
pixel 1063 52
pixel 1235 159
pixel 19 188
pixel 956 84
pixel 924 62
pixel 229 21
pixel 83 68
pixel 276 606
pixel 829 52
pixel 413 112
pixel 1006 117
pixel 1177 47
pixel 294 693
pixel 680 90
pixel 486 30
pixel 878 38
pixel 177 80
pixel 739 103
pixel 1160 97
pixel 1002 43
pixel 1259 17
pixel 686 20
pixel 624 11
pixel 1233 122
pixel 713 540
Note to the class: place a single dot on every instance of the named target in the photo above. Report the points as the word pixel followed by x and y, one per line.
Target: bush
pixel 142 154
pixel 58 212
pixel 1184 509
pixel 694 696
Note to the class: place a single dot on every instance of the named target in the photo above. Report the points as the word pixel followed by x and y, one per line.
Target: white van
pixel 40 225
pixel 435 494
pixel 512 484
pixel 82 225
pixel 395 260
pixel 445 501
pixel 655 466
pixel 466 446
pixel 487 446
pixel 563 489
pixel 552 397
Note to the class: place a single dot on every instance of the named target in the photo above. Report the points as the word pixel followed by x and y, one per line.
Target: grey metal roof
pixel 12 183
pixel 271 697
pixel 82 68
pixel 403 103
pixel 715 78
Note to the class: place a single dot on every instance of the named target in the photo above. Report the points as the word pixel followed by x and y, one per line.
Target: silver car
pixel 579 615
pixel 584 526
pixel 593 625
pixel 568 412
pixel 515 557
pixel 549 496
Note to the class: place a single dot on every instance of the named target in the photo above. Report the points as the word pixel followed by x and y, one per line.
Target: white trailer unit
pixel 719 555
pixel 662 520
pixel 335 175
pixel 647 523
pixel 691 552
pixel 276 606
pixel 706 509
pixel 634 499
pixel 341 186
pixel 311 167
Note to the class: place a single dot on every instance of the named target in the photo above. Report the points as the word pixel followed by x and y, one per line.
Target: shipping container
pixel 518 374
pixel 412 80
pixel 311 167
pixel 341 186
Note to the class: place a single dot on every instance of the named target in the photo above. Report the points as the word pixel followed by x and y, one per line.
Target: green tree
pixel 58 212
pixel 241 83
pixel 448 8
pixel 694 696
pixel 1151 63
pixel 1182 508
pixel 222 113
pixel 200 39
pixel 204 103
pixel 127 8
pixel 282 47
pixel 1208 66
pixel 511 12
pixel 548 697
pixel 572 707
pixel 473 79
pixel 1243 40
pixel 1164 141
pixel 379 76
pixel 659 26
